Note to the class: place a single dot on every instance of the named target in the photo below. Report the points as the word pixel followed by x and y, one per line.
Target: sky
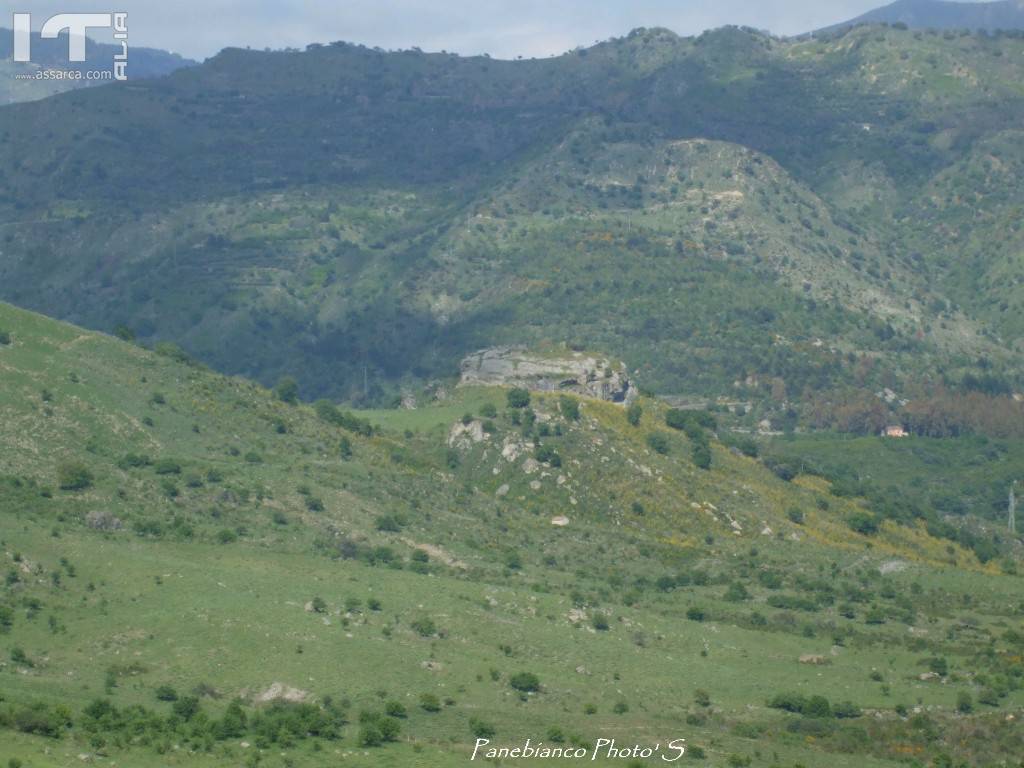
pixel 503 28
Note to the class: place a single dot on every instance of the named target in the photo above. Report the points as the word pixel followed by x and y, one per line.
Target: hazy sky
pixel 503 28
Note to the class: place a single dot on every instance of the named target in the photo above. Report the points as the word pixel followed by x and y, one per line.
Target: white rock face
pixel 464 435
pixel 576 372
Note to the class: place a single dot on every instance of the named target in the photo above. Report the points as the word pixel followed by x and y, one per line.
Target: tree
pixel 74 476
pixel 287 390
pixel 518 398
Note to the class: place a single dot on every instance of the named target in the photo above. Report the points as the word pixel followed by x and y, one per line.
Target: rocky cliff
pixel 583 373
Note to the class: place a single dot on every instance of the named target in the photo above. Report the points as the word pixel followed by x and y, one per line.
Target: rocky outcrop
pixel 463 435
pixel 578 372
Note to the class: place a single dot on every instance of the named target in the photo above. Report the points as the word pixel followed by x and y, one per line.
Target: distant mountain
pixel 939 14
pixel 52 54
pixel 733 215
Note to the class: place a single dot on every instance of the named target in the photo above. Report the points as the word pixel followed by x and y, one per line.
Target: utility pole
pixel 1011 521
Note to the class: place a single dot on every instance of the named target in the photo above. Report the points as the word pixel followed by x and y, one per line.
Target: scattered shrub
pixel 166 693
pixel 481 729
pixel 634 413
pixel 658 442
pixel 424 626
pixel 518 398
pixel 570 407
pixel 74 476
pixel 526 682
pixel 287 390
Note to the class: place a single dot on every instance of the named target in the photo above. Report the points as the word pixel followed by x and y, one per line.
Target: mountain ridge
pixel 412 235
pixel 943 15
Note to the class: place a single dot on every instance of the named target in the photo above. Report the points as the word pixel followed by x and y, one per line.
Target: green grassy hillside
pixel 200 573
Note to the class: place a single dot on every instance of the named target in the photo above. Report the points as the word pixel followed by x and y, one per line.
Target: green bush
pixel 846 709
pixel 634 413
pixel 226 536
pixel 545 454
pixel 964 703
pixel 570 407
pixel 377 729
pixel 527 682
pixel 424 626
pixel 863 522
pixel 488 411
pixel 518 398
pixel 5 338
pixel 736 593
pixel 74 476
pixel 658 442
pixel 287 390
pixel 134 461
pixel 167 467
pixel 481 729
pixel 329 413
pixel 430 703
pixel 388 523
pixel 702 456
pixel 166 693
pixel 810 706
